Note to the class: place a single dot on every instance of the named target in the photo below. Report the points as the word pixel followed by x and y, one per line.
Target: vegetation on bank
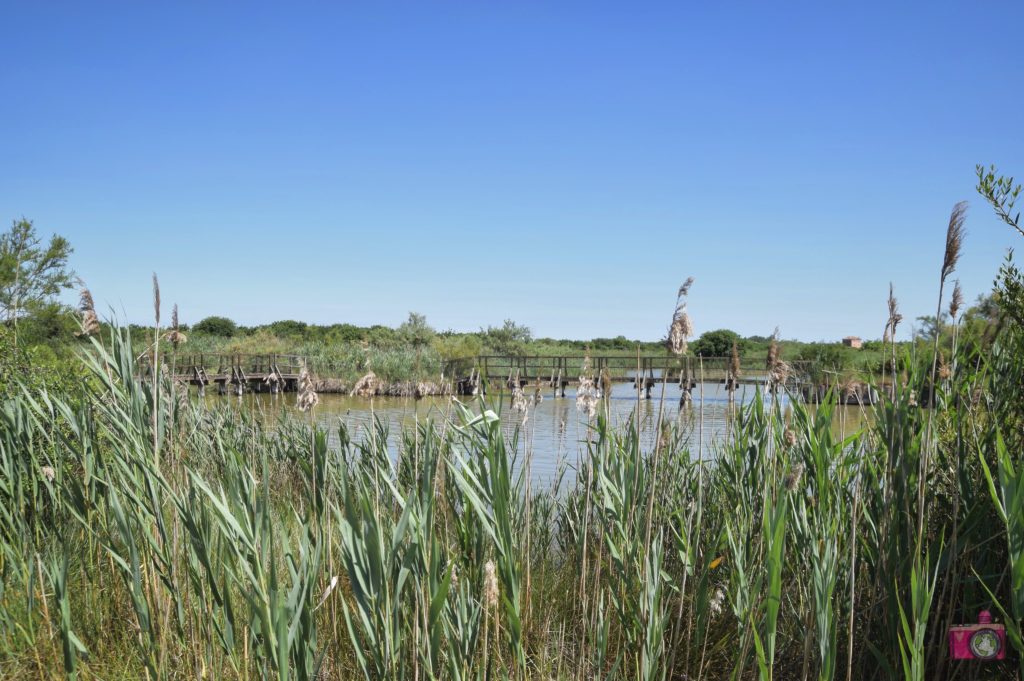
pixel 33 273
pixel 396 355
pixel 144 535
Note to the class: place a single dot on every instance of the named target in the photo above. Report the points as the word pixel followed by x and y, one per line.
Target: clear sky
pixel 564 164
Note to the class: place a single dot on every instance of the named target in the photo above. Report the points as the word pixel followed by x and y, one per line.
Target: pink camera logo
pixel 982 641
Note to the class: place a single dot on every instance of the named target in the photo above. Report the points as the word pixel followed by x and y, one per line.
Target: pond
pixel 555 431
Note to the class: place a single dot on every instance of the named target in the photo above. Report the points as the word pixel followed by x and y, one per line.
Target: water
pixel 555 431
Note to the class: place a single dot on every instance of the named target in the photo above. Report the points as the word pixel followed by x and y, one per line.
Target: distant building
pixel 853 342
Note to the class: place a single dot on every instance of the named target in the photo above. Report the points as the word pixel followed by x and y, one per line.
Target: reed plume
pixel 894 316
pixel 773 350
pixel 734 362
pixel 308 398
pixel 89 322
pixel 366 386
pixel 681 327
pixel 792 479
pixel 156 300
pixel 954 238
pixel 956 302
pixel 586 393
pixel 587 396
pixel 490 595
pixel 175 337
pixel 519 403
pixel 778 370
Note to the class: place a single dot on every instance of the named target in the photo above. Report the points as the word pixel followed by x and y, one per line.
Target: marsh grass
pixel 247 551
pixel 143 535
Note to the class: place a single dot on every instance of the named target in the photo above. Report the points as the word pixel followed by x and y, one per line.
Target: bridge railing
pixel 617 367
pixel 222 363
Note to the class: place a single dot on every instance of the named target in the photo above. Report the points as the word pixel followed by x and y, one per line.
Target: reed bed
pixel 146 535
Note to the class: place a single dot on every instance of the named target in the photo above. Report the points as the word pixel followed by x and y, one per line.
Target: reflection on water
pixel 555 432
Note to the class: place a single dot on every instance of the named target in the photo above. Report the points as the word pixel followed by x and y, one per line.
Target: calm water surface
pixel 555 432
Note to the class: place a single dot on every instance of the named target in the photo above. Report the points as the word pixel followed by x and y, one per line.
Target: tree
pixel 508 339
pixel 1002 193
pixel 345 333
pixel 50 323
pixel 216 326
pixel 415 331
pixel 289 328
pixel 717 343
pixel 30 274
pixel 381 336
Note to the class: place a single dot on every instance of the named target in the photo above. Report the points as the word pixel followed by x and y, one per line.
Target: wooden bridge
pixel 237 373
pixel 472 375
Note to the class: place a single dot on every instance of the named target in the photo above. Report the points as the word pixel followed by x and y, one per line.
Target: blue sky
pixel 566 165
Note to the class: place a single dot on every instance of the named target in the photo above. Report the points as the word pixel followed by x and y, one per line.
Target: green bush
pixel 717 343
pixel 216 326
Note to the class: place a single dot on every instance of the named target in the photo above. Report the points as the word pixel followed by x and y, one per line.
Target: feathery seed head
pixel 308 399
pixel 89 323
pixel 519 404
pixel 778 371
pixel 956 302
pixel 792 479
pixel 894 315
pixel 366 386
pixel 175 336
pixel 490 585
pixel 681 327
pixel 773 350
pixel 156 300
pixel 954 238
pixel 587 393
pixel 587 396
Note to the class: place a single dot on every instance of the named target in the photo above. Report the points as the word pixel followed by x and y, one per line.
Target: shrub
pixel 216 326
